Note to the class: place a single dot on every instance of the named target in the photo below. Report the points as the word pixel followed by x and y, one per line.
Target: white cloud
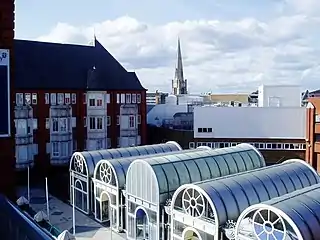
pixel 218 55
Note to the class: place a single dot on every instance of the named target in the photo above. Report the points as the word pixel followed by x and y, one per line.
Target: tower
pixel 179 84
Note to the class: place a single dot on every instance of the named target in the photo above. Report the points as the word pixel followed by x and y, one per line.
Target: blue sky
pixel 227 45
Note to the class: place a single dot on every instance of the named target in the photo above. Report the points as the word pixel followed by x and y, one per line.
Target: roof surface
pixel 41 65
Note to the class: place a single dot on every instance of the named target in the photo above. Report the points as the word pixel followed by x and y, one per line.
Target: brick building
pixel 72 98
pixel 313 133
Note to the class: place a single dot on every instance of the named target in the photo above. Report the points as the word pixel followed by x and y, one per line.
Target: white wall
pixel 164 111
pixel 250 122
pixel 279 96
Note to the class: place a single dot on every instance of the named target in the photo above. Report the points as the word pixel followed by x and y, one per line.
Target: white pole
pixel 47 196
pixel 73 207
pixel 110 217
pixel 28 184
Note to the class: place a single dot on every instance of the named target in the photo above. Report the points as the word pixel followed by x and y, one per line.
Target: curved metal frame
pixel 78 161
pixel 191 203
pixel 283 217
pixel 175 143
pixel 193 230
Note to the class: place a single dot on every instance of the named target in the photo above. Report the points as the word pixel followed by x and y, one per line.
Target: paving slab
pixel 61 217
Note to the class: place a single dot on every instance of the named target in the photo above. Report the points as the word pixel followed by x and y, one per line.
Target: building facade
pixel 6 87
pixel 79 99
pixel 313 133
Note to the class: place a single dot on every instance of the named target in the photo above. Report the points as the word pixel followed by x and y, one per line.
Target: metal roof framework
pixel 215 204
pixel 82 166
pixel 292 216
pixel 109 181
pixel 150 184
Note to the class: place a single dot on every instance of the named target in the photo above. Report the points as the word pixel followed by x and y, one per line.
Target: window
pixel 108 120
pixel 64 149
pixel 84 98
pixel 47 123
pixel 99 102
pixel 67 98
pixel 118 98
pixel 317 118
pixel 128 98
pixel 99 123
pixel 46 98
pixel 210 130
pixel 118 120
pixel 85 121
pixel 55 125
pixel 27 98
pixel 34 98
pixel 139 119
pixel 269 145
pixel 60 98
pixel 131 122
pixel 55 149
pixel 191 145
pixel 74 98
pixel 138 98
pixel 92 123
pixel 19 99
pixel 63 124
pixel 123 98
pixel 134 98
pixel 92 102
pixel 21 126
pixel 200 130
pixel 53 98
pixel 108 98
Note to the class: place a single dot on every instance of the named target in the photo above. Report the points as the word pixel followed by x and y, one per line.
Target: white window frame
pixel 123 98
pixel 19 99
pixel 46 98
pixel 98 119
pixel 98 101
pixel 92 102
pixel 134 98
pixel 128 98
pixel 21 127
pixel 60 98
pixel 132 123
pixel 138 98
pixel 55 152
pixel 34 99
pixel 63 125
pixel 118 98
pixel 73 98
pixel 27 98
pixel 108 98
pixel 191 145
pixel 53 98
pixel 67 98
pixel 54 125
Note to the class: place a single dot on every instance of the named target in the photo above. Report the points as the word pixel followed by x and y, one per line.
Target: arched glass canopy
pixel 110 179
pixel 292 216
pixel 82 165
pixel 154 181
pixel 218 203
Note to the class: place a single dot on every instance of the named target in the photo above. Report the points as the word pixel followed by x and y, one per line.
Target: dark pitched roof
pixel 40 65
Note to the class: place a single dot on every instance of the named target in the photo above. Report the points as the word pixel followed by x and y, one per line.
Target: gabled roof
pixel 41 65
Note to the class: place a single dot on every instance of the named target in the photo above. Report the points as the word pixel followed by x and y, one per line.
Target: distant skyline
pixel 227 45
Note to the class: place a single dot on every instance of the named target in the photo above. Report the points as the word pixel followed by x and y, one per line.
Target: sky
pixel 228 46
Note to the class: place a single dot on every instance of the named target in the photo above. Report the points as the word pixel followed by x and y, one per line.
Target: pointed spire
pixel 179 70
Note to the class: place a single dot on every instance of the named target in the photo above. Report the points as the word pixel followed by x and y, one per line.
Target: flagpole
pixel 47 196
pixel 28 184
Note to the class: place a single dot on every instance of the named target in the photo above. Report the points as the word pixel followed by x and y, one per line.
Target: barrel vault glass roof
pixel 91 158
pixel 175 170
pixel 242 190
pixel 121 165
pixel 303 208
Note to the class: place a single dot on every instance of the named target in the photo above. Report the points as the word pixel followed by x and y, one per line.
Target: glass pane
pixel 183 173
pixel 247 160
pixel 161 177
pixel 172 176
pixel 204 169
pixel 240 162
pixel 257 162
pixel 223 166
pixel 193 171
pixel 231 163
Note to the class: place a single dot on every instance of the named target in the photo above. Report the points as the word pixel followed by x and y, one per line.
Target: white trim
pixel 6 62
pixel 190 229
pixel 176 144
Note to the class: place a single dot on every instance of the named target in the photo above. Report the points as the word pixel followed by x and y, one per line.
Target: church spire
pixel 179 84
